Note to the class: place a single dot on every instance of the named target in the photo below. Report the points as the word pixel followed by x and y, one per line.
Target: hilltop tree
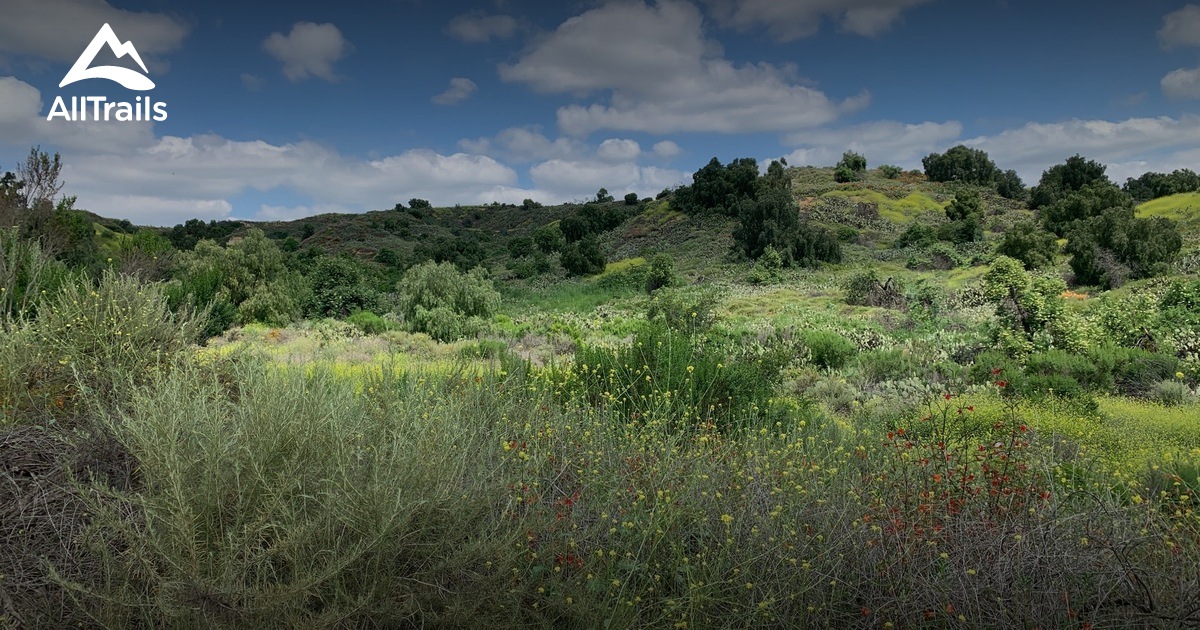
pixel 1062 179
pixel 1154 185
pixel 1091 200
pixel 850 168
pixel 417 204
pixel 718 188
pixel 602 196
pixel 960 164
pixel 1010 186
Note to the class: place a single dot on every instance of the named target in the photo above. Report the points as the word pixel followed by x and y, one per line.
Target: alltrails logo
pixel 142 109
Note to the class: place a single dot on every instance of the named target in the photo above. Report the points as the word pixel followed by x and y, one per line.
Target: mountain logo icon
pixel 126 77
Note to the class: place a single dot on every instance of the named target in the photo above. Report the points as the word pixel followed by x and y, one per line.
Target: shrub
pixel 890 171
pixel 92 338
pixel 684 309
pixel 27 275
pixel 662 273
pixel 340 288
pixel 917 235
pixel 369 322
pixel 445 303
pixel 888 365
pixel 828 349
pixel 583 258
pixel 1028 243
pixel 960 164
pixel 704 384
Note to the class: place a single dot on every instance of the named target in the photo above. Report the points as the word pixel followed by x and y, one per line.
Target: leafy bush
pixel 27 275
pixel 92 338
pixel 960 164
pixel 828 349
pixel 369 322
pixel 917 235
pixel 662 273
pixel 445 303
pixel 583 258
pixel 855 162
pixel 890 171
pixel 1028 243
pixel 340 288
pixel 893 364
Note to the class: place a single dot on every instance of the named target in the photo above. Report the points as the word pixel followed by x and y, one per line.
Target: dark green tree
pixel 1010 186
pixel 1062 179
pixel 965 213
pixel 1089 201
pixel 549 238
pixel 602 196
pixel 631 199
pixel 583 258
pixel 417 204
pixel 1030 244
pixel 960 164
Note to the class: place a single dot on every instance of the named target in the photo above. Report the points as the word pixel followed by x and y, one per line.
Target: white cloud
pixel 523 144
pixel 23 122
pixel 788 21
pixel 882 142
pixel 59 30
pixel 1181 28
pixel 1164 142
pixel 580 179
pixel 477 27
pixel 309 50
pixel 665 76
pixel 1182 83
pixel 460 90
pixel 667 149
pixel 618 150
pixel 267 212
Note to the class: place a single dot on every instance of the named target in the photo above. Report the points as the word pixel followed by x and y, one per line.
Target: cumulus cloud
pixel 23 122
pixel 666 149
pixel 1182 83
pixel 618 150
pixel 883 142
pixel 523 144
pixel 787 21
pixel 1181 28
pixel 580 179
pixel 309 50
pixel 59 30
pixel 1165 142
pixel 478 27
pixel 665 76
pixel 460 90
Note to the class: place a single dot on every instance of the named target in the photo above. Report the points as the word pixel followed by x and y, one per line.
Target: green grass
pixel 1181 207
pixel 902 210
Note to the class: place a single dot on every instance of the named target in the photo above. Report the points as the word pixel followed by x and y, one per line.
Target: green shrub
pixel 890 171
pixel 93 338
pixel 27 275
pixel 369 322
pixel 917 235
pixel 484 349
pixel 445 303
pixel 893 364
pixel 828 349
pixel 1172 393
pixel 662 273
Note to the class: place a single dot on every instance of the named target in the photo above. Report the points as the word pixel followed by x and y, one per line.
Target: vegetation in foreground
pixel 928 432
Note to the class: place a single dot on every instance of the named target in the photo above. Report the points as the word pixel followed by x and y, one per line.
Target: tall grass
pixel 272 498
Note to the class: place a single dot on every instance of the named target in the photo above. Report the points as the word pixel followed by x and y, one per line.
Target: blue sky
pixel 310 107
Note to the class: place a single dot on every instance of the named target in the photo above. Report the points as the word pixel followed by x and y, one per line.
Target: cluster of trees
pixel 1154 185
pixel 850 168
pixel 972 166
pixel 768 219
pixel 1107 243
